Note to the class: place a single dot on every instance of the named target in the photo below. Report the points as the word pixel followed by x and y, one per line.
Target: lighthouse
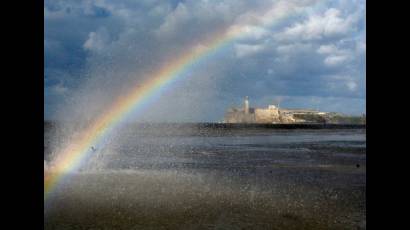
pixel 246 105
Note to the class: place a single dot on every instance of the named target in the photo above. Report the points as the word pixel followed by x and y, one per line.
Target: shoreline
pixel 215 125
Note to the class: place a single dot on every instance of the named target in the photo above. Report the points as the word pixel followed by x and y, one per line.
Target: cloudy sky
pixel 303 54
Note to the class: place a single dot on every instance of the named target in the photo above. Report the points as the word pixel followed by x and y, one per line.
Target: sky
pixel 95 50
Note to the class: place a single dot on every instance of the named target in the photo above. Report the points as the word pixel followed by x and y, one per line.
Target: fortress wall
pixel 266 115
pixel 287 118
pixel 239 117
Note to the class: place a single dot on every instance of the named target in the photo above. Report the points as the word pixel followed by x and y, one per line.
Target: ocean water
pixel 216 177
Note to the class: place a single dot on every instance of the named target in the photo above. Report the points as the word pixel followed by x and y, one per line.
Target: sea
pixel 215 176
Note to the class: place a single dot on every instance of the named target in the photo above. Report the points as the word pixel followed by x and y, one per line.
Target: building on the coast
pixel 272 115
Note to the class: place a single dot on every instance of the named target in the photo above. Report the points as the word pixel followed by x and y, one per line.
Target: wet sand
pixel 173 200
pixel 314 181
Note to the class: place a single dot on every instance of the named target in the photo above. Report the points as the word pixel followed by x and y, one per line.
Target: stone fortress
pixel 273 115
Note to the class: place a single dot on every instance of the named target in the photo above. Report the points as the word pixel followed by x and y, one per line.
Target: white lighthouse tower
pixel 246 105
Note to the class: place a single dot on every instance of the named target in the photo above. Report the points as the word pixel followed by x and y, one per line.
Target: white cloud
pixel 97 41
pixel 351 85
pixel 242 50
pixel 334 55
pixel 172 21
pixel 255 32
pixel 361 46
pixel 294 48
pixel 331 23
pixel 327 49
pixel 335 60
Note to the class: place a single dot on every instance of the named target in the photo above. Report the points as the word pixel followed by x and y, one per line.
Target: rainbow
pixel 77 151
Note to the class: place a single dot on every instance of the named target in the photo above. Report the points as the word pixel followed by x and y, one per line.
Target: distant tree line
pixel 343 119
pixel 332 118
